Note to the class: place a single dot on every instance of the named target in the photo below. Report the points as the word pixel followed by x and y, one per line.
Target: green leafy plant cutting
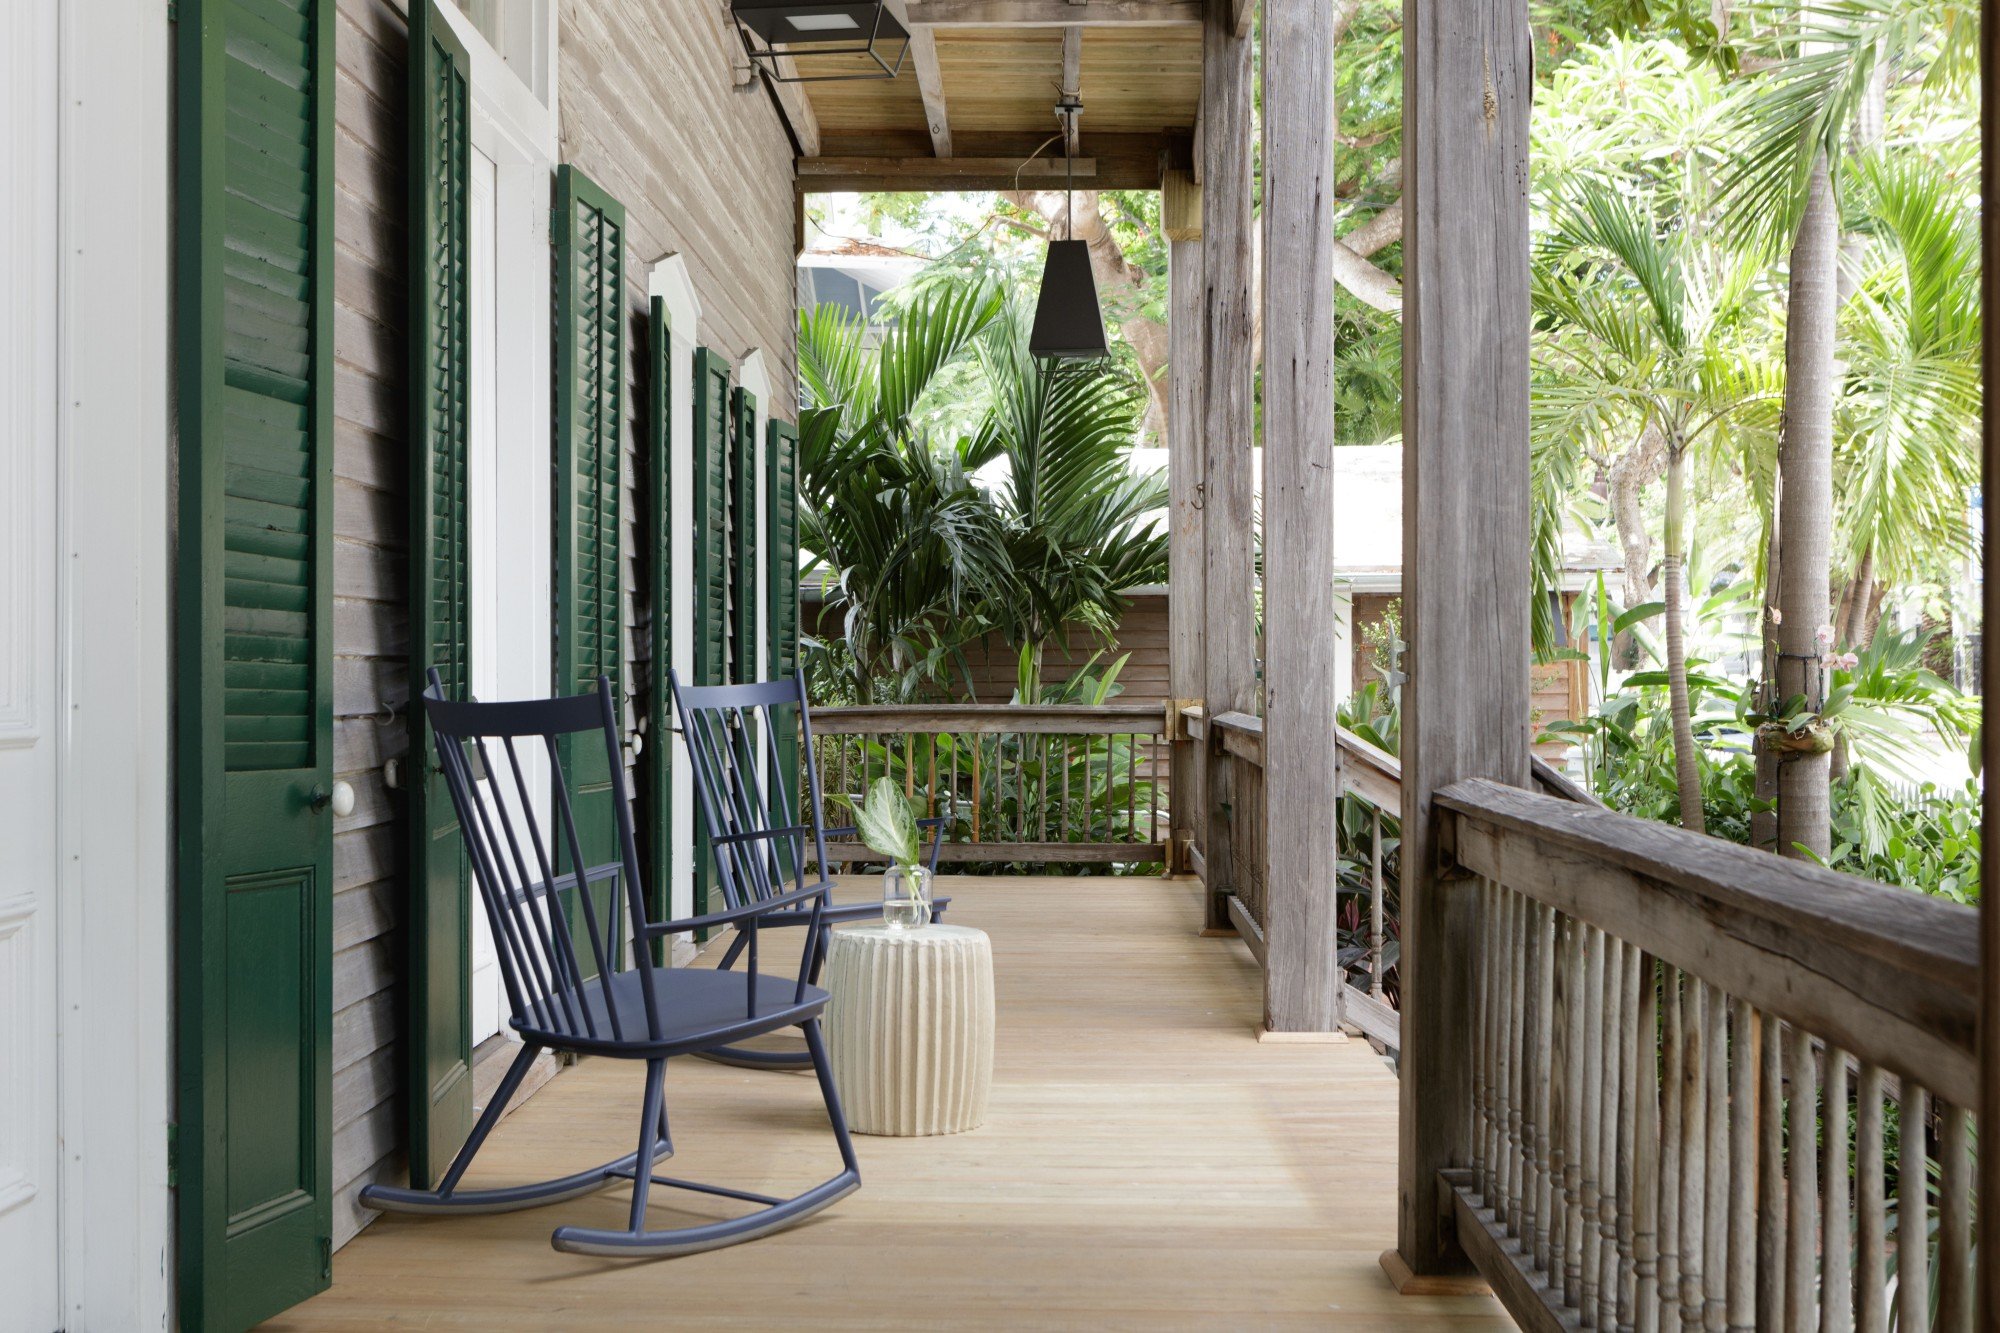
pixel 887 824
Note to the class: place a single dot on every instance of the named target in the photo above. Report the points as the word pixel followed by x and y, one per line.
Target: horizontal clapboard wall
pixel 650 110
pixel 370 621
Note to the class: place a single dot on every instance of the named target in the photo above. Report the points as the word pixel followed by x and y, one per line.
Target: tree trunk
pixel 1626 480
pixel 1858 626
pixel 1806 455
pixel 1764 822
pixel 1687 767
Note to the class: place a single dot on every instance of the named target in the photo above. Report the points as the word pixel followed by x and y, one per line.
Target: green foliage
pixel 886 824
pixel 1028 521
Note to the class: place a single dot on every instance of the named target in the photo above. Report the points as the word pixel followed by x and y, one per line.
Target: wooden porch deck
pixel 1145 1163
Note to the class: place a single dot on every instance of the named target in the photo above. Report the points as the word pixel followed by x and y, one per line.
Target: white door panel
pixel 30 721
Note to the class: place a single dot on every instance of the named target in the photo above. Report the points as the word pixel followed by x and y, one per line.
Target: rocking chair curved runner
pixel 756 861
pixel 567 998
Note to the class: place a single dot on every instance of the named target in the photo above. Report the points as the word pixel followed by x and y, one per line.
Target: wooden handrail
pixel 1134 719
pixel 1658 1011
pixel 1893 976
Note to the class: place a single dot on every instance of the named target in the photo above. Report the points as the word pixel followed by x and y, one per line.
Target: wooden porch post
pixel 1301 785
pixel 1228 425
pixel 1465 541
pixel 1180 216
pixel 1988 1271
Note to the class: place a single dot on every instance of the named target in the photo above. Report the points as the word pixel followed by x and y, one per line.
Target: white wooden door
pixel 30 721
pixel 483 497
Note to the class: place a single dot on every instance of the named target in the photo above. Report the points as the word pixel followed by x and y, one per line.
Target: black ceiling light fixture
pixel 1069 327
pixel 851 36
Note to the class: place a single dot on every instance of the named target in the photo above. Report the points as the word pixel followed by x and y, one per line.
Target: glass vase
pixel 906 897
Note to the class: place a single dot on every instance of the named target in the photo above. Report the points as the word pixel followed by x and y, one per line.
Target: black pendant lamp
pixel 1068 324
pixel 823 35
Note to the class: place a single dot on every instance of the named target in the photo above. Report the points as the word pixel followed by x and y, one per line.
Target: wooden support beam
pixel 1303 982
pixel 1989 898
pixel 1072 80
pixel 1242 14
pixel 828 175
pixel 1228 426
pixel 1055 13
pixel 1186 546
pixel 930 83
pixel 1466 709
pixel 1180 218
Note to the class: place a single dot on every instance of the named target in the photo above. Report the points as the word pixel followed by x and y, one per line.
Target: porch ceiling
pixel 994 70
pixel 1145 1161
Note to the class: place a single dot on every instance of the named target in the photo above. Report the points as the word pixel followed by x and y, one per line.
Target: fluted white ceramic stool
pixel 909 1029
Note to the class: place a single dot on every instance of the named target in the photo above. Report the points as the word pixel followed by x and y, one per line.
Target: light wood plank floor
pixel 1145 1164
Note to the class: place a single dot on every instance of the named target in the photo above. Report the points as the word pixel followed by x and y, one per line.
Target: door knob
pixel 341 798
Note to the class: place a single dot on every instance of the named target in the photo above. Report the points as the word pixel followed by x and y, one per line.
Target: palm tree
pixel 925 555
pixel 1826 74
pixel 911 543
pixel 1081 526
pixel 1646 335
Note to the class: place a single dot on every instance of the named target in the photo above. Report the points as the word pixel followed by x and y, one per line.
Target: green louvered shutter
pixel 781 507
pixel 656 760
pixel 744 478
pixel 590 420
pixel 711 553
pixel 254 673
pixel 439 937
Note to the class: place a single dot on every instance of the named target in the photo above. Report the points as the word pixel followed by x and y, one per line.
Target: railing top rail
pixel 1124 719
pixel 1890 975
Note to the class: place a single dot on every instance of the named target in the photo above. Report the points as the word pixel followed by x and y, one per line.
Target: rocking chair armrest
pixel 657 930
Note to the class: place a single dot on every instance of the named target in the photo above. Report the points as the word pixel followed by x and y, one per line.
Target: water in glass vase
pixel 906 898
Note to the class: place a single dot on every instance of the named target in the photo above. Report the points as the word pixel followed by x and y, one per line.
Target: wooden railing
pixel 1659 1021
pixel 1367 772
pixel 1015 785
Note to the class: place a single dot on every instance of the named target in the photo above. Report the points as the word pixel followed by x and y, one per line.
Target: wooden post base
pixel 1408 1283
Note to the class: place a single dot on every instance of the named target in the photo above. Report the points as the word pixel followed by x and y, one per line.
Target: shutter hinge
pixel 173 11
pixel 173 1155
pixel 326 1258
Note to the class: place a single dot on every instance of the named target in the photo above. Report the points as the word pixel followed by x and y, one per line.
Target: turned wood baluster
pixel 1610 1117
pixel 1576 1059
pixel 1629 1146
pixel 1870 1207
pixel 1646 1157
pixel 1593 1119
pixel 1912 1214
pixel 1742 1294
pixel 1770 1174
pixel 1802 1222
pixel 1955 1299
pixel 1836 1272
pixel 1516 1055
pixel 1503 1063
pixel 1562 1112
pixel 1671 1046
pixel 1715 1224
pixel 1482 1048
pixel 1694 1145
pixel 1544 1086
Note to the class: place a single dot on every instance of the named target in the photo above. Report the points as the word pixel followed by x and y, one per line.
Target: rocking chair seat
pixel 698 1009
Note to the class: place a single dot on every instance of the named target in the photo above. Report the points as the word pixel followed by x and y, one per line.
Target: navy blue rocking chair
pixel 570 994
pixel 760 850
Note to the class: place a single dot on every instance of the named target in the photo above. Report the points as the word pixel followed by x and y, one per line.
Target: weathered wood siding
pixel 370 621
pixel 649 109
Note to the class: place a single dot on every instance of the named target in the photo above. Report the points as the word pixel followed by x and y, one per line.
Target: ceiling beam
pixel 1054 13
pixel 1072 80
pixel 930 82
